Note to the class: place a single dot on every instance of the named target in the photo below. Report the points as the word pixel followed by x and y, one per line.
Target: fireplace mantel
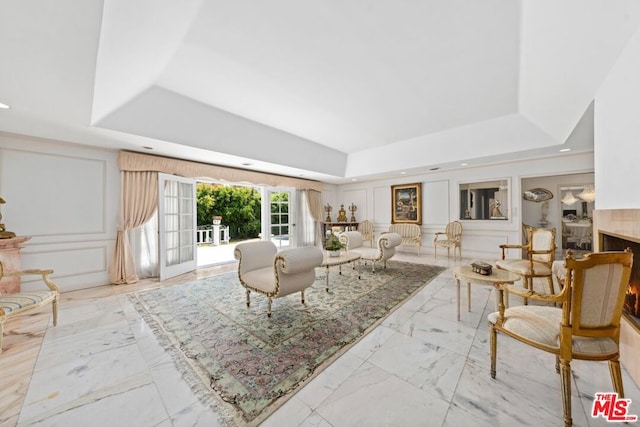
pixel 624 223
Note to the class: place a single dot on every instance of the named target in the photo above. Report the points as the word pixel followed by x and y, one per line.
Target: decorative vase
pixel 217 221
pixel 334 253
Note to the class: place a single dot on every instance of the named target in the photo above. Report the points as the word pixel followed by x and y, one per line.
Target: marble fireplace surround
pixel 623 223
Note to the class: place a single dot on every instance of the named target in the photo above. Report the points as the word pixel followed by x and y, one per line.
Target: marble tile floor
pixel 102 366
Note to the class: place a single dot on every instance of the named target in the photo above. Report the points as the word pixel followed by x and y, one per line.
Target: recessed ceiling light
pixel 464 164
pixel 4 106
pixel 403 173
pixel 146 147
pixel 564 150
pixel 353 179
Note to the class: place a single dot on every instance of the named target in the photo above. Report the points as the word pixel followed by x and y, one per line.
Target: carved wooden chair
pixel 264 269
pixel 585 327
pixel 450 238
pixel 14 304
pixel 366 229
pixel 539 253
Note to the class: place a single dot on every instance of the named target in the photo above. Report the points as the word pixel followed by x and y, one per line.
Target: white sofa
pixel 264 269
pixel 384 249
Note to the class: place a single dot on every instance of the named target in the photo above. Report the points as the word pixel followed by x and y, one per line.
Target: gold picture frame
pixel 406 204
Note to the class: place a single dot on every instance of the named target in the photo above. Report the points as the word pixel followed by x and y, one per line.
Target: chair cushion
pixel 263 279
pixel 446 242
pixel 370 254
pixel 542 325
pixel 521 266
pixel 15 303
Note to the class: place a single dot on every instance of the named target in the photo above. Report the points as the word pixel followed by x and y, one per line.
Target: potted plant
pixel 333 245
pixel 217 219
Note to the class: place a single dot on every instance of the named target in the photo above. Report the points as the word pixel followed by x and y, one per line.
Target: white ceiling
pixel 329 90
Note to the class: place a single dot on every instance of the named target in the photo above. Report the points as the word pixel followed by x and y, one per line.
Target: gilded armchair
pixel 585 327
pixel 264 269
pixel 366 229
pixel 450 238
pixel 539 253
pixel 14 304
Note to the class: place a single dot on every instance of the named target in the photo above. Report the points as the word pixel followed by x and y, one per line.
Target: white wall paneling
pixel 66 198
pixel 436 202
pixel 359 198
pixel 382 205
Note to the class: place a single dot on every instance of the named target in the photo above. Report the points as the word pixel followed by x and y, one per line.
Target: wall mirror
pixel 577 203
pixel 487 200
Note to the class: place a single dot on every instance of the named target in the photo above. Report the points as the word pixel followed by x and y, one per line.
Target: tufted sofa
pixel 410 233
pixel 264 269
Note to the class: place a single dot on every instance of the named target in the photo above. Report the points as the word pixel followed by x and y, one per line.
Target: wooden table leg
pixel 327 279
pixel 458 297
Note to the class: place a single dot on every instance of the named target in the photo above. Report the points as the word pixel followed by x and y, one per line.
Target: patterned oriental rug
pixel 246 365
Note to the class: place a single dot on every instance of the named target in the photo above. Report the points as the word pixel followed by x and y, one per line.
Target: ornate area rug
pixel 245 364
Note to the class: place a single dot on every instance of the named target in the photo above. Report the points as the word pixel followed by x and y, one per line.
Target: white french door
pixel 176 225
pixel 281 221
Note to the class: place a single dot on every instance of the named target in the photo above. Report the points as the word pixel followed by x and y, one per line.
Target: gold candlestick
pixel 328 210
pixel 353 208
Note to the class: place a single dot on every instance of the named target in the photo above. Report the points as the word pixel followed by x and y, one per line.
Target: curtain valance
pixel 131 161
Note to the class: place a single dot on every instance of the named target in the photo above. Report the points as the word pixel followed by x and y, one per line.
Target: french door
pixel 281 222
pixel 176 225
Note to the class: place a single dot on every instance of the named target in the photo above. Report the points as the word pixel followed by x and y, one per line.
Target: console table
pixel 344 226
pixel 10 257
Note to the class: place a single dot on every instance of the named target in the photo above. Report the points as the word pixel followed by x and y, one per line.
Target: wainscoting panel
pixel 66 198
pixel 58 195
pixel 382 205
pixel 76 266
pixel 435 213
pixel 359 198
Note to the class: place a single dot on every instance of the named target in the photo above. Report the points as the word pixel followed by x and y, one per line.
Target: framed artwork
pixel 537 195
pixel 406 204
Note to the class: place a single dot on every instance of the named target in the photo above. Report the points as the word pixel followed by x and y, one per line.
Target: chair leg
pixel 550 283
pixel 493 341
pixel 616 377
pixel 557 364
pixel 55 311
pixel 565 380
pixel 302 296
pixel 248 298
pixel 269 307
pixel 435 252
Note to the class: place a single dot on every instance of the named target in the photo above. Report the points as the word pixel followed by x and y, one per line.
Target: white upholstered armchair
pixel 384 249
pixel 264 269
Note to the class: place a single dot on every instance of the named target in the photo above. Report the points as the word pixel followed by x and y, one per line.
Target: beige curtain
pixel 314 198
pixel 130 161
pixel 138 203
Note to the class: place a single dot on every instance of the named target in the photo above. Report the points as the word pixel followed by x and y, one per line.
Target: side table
pixel 465 272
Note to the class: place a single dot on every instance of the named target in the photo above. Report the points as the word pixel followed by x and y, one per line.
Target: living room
pixel 62 184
